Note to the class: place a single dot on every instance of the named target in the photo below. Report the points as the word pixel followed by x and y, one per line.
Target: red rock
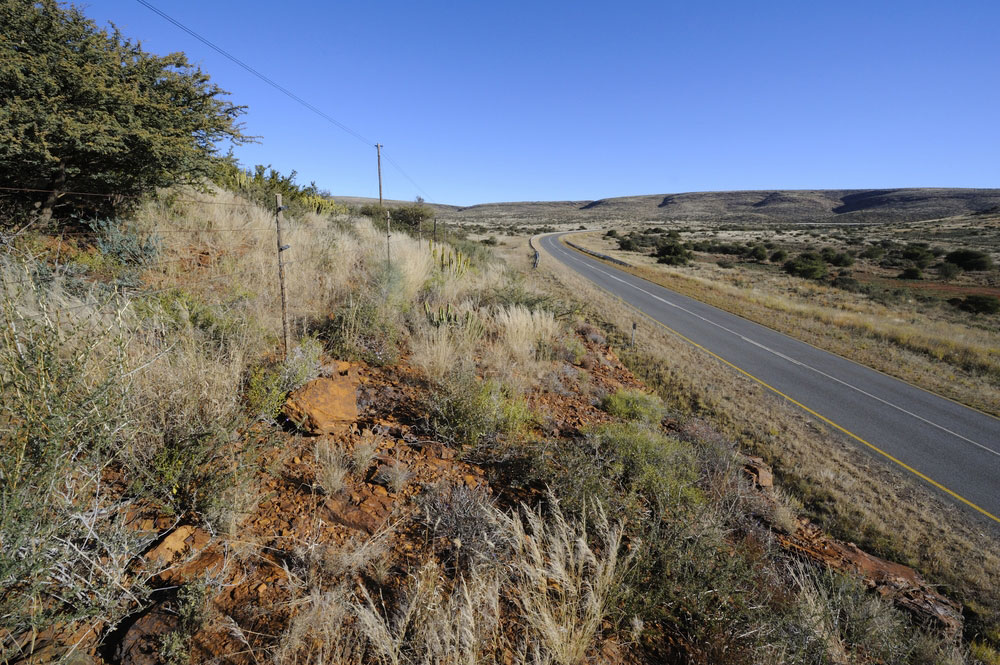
pixel 340 511
pixel 893 581
pixel 141 644
pixel 757 469
pixel 323 405
pixel 178 543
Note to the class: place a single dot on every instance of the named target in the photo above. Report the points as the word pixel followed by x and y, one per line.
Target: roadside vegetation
pixel 847 293
pixel 151 344
pixel 818 475
pixel 508 492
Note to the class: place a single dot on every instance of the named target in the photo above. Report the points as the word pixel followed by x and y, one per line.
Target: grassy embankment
pixel 140 379
pixel 851 494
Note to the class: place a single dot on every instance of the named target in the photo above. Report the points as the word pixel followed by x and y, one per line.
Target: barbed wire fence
pixel 120 293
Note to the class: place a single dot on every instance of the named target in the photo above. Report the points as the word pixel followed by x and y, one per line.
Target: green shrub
pixel 628 245
pixel 64 417
pixel 123 242
pixel 948 270
pixel 628 468
pixel 779 256
pixel 634 405
pixel 808 265
pixel 874 252
pixel 672 253
pixel 571 349
pixel 911 273
pixel 191 605
pixel 847 283
pixel 268 384
pixel 977 304
pixel 366 328
pixel 919 254
pixel 970 259
pixel 464 411
pixel 180 310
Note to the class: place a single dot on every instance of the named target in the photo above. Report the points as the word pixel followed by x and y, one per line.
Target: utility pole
pixel 281 274
pixel 378 150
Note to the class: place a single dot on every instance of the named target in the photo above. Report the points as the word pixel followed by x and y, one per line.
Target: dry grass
pixel 434 352
pixel 333 473
pixel 396 475
pixel 563 585
pixel 526 335
pixel 175 345
pixel 320 632
pixel 558 584
pixel 364 451
pixel 435 624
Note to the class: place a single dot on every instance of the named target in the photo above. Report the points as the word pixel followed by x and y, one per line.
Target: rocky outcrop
pixel 896 582
pixel 327 404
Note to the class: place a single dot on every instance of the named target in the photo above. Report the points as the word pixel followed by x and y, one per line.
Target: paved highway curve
pixel 949 446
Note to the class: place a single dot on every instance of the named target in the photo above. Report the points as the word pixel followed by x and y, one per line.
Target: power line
pixel 400 169
pixel 277 86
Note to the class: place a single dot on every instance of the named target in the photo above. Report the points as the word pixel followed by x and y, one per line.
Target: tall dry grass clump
pixel 525 334
pixel 564 587
pixel 542 601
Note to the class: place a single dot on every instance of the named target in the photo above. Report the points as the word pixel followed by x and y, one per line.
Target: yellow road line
pixel 747 318
pixel 805 408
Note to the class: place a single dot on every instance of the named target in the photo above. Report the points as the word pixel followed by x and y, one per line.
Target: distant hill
pixel 764 206
pixel 358 201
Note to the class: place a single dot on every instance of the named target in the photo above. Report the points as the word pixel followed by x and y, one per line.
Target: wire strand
pixel 404 174
pixel 221 51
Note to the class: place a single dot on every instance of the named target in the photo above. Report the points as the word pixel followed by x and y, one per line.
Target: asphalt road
pixel 950 447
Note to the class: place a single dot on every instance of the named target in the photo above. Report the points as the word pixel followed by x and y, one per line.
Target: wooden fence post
pixel 281 275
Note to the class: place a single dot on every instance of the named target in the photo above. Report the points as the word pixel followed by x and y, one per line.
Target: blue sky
pixel 514 101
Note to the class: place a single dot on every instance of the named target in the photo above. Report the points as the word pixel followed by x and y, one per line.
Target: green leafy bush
pixel 672 253
pixel 948 270
pixel 634 405
pixel 874 252
pixel 970 259
pixel 808 265
pixel 912 272
pixel 839 259
pixel 847 283
pixel 115 119
pixel 919 254
pixel 628 245
pixel 464 411
pixel 977 304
